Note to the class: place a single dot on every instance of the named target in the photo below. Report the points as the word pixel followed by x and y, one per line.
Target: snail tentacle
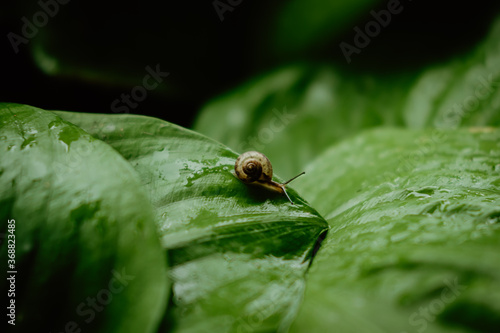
pixel 254 167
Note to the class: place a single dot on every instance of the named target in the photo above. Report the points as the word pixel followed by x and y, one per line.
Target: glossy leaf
pixel 414 243
pixel 294 113
pixel 238 253
pixel 86 253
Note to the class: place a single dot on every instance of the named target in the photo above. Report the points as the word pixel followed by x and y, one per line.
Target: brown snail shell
pixel 253 167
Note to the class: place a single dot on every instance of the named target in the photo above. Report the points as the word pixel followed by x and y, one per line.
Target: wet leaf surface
pixel 415 233
pixel 87 254
pixel 238 253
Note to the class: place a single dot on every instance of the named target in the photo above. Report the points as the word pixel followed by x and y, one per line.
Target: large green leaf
pixel 238 254
pixel 294 113
pixel 86 253
pixel 414 243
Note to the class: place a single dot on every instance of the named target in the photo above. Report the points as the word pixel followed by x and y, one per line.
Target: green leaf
pixel 238 253
pixel 294 113
pixel 86 253
pixel 414 243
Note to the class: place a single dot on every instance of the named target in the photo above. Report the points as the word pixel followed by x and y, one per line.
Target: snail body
pixel 253 167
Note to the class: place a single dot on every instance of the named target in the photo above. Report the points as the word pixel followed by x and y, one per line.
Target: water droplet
pixel 189 181
pixel 68 135
pixel 109 128
pixel 27 142
pixel 53 124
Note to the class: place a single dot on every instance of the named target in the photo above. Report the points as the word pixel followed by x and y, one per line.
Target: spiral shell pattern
pixel 253 166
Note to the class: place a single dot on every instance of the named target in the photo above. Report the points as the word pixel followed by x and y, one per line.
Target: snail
pixel 253 167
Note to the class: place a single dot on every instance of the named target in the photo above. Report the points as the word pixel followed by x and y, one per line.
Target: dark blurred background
pixel 89 53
